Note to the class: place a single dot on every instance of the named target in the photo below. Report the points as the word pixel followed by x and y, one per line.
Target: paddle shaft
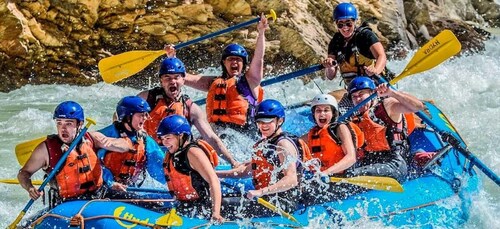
pixel 152 190
pixel 55 170
pixel 281 78
pixel 214 34
pixel 466 153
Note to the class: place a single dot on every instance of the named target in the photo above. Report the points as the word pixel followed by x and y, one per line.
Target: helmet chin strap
pixel 181 142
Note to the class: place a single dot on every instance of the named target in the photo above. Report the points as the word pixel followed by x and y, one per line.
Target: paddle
pixel 15 181
pixel 277 210
pixel 54 171
pixel 169 219
pixel 440 48
pixel 447 136
pixel 121 66
pixel 266 204
pixel 371 182
pixel 281 78
pixel 24 150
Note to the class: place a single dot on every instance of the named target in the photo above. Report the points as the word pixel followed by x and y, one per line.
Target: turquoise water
pixel 467 89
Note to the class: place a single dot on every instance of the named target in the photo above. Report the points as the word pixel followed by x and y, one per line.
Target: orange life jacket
pixel 264 162
pixel 226 102
pixel 381 133
pixel 327 146
pixel 410 122
pixel 127 166
pixel 163 107
pixel 81 172
pixel 186 183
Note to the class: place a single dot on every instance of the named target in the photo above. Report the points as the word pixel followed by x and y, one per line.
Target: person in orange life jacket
pixel 385 128
pixel 168 99
pixel 80 177
pixel 334 145
pixel 353 51
pixel 189 170
pixel 232 97
pixel 121 170
pixel 274 165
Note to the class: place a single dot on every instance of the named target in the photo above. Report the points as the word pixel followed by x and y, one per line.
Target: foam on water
pixel 465 88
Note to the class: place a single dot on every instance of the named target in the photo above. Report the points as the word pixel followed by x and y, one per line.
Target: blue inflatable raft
pixel 439 196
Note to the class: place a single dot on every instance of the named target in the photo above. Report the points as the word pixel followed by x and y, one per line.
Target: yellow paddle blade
pixel 371 182
pixel 440 48
pixel 170 219
pixel 24 150
pixel 277 210
pixel 121 66
pixel 15 181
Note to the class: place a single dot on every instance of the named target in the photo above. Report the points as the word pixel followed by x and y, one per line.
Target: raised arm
pixel 199 120
pixel 256 71
pixel 198 82
pixel 398 102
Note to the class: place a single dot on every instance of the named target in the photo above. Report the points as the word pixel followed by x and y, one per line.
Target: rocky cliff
pixel 47 41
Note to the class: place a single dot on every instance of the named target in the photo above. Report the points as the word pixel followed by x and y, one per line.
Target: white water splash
pixel 466 88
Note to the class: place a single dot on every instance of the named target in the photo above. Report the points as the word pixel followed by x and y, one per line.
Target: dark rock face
pixel 45 42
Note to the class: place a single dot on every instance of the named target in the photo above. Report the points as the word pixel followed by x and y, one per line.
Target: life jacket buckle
pixel 220 97
pixel 219 112
pixel 84 169
pixel 81 157
pixel 130 162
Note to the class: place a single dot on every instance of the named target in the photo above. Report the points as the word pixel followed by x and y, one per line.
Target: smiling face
pixel 346 27
pixel 172 84
pixel 268 126
pixel 170 141
pixel 323 115
pixel 233 65
pixel 66 129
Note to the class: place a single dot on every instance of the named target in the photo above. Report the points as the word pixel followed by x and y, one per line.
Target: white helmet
pixel 324 99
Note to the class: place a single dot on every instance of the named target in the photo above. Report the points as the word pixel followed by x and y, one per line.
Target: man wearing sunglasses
pixel 353 50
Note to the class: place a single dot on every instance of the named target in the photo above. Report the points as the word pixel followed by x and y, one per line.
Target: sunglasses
pixel 341 25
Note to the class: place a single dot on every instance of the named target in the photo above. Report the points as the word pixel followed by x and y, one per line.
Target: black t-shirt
pixel 364 39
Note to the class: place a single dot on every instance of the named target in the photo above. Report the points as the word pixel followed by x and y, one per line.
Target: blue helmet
pixel 345 10
pixel 174 124
pixel 235 50
pixel 172 66
pixel 360 83
pixel 130 105
pixel 270 108
pixel 69 110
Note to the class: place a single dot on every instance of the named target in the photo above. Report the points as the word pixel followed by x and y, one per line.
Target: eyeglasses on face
pixel 234 58
pixel 341 25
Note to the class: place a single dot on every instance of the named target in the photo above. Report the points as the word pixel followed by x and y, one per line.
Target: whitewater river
pixel 467 89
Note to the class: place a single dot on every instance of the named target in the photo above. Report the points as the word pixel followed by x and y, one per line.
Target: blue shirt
pixel 154 156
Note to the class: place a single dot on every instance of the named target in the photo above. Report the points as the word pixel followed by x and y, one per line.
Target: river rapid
pixel 467 89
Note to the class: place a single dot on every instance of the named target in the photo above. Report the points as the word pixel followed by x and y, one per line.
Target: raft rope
pixel 79 218
pixel 253 224
pixel 401 211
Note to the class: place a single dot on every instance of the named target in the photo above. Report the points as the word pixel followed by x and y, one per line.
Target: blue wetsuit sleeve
pixel 107 176
pixel 154 161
